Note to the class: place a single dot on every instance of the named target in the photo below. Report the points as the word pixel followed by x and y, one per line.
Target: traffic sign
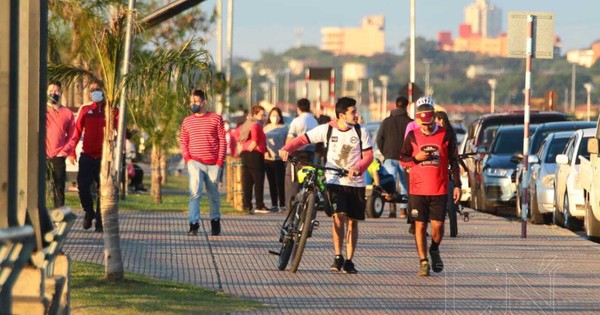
pixel 543 34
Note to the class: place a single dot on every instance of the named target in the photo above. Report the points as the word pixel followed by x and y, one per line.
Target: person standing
pixel 350 148
pixel 203 146
pixel 276 134
pixel 429 152
pixel 319 147
pixel 254 147
pixel 91 121
pixel 390 139
pixel 299 125
pixel 60 126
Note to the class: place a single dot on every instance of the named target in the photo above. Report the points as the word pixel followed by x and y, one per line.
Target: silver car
pixel 542 168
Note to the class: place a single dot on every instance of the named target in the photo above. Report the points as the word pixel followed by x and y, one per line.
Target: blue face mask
pixel 53 98
pixel 196 108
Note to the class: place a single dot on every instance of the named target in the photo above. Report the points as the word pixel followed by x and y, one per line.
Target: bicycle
pixel 455 210
pixel 301 218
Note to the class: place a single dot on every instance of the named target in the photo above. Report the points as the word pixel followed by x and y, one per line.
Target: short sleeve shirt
pixel 344 152
pixel 302 124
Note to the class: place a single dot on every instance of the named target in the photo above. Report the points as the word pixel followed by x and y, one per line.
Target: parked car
pixel 480 134
pixel 497 189
pixel 542 167
pixel 541 132
pixel 569 202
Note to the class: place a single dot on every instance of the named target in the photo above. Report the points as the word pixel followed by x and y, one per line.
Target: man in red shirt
pixel 254 146
pixel 91 120
pixel 203 147
pixel 427 152
pixel 60 125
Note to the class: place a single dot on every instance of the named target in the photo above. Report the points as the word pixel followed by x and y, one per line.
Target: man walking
pixel 60 125
pixel 299 125
pixel 91 120
pixel 427 152
pixel 203 146
pixel 390 139
pixel 349 148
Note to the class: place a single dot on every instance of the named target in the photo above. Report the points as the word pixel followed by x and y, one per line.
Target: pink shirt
pixel 60 125
pixel 410 127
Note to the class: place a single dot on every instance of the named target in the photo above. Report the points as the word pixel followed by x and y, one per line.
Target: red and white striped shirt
pixel 202 139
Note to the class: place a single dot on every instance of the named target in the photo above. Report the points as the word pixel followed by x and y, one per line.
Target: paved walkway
pixel 489 268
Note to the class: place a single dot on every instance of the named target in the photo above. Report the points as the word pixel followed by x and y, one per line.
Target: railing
pixel 16 245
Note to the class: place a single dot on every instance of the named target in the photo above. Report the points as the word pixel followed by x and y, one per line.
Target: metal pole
pixel 332 87
pixel 122 105
pixel 529 48
pixel 427 63
pixel 573 76
pixel 412 54
pixel 306 81
pixel 588 88
pixel 384 83
pixel 229 53
pixel 492 83
pixel 219 59
pixel 286 89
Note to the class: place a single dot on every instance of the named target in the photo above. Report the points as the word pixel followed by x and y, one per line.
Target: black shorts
pixel 348 200
pixel 425 208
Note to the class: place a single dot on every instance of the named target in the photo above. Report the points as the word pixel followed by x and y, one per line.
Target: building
pixel 485 18
pixel 585 57
pixel 366 40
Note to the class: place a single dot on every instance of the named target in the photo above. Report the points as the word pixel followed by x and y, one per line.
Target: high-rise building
pixel 367 40
pixel 485 18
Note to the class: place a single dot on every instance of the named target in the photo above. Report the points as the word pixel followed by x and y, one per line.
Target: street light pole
pixel 588 88
pixel 247 66
pixel 492 83
pixel 384 84
pixel 427 63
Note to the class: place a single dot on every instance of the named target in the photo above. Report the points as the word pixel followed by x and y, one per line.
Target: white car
pixel 569 202
pixel 542 168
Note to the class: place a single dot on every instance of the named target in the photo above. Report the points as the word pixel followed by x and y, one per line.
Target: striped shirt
pixel 202 139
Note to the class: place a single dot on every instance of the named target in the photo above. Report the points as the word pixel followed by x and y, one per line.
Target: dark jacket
pixel 390 137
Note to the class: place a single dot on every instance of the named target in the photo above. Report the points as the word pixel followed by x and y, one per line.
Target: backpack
pixel 330 130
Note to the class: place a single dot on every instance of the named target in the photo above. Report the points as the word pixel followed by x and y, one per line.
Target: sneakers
pixel 99 227
pixel 402 213
pixel 215 227
pixel 437 265
pixel 392 214
pixel 262 210
pixel 194 227
pixel 424 269
pixel 411 229
pixel 338 263
pixel 87 221
pixel 349 267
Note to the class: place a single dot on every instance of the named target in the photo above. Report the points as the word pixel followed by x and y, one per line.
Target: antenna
pixel 298 32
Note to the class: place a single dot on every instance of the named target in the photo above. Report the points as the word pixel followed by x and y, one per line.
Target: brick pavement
pixel 489 268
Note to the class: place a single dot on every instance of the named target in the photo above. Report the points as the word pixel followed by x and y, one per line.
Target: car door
pixel 562 171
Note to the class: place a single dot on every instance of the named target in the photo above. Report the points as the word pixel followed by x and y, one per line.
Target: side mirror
pixel 533 159
pixel 517 158
pixel 592 146
pixel 562 159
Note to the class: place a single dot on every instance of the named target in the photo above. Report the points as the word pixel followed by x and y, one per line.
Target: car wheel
pixel 592 225
pixel 375 205
pixel 536 216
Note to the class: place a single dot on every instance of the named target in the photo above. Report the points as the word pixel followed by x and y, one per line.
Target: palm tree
pixel 105 52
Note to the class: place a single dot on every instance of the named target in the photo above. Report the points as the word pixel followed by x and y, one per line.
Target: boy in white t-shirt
pixel 350 148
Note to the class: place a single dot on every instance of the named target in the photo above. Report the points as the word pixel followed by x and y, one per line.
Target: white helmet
pixel 425 100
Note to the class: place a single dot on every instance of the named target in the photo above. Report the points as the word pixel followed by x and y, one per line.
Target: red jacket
pixel 430 177
pixel 91 120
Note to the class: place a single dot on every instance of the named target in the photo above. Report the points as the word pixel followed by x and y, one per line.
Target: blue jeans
pixel 209 176
pixel 393 167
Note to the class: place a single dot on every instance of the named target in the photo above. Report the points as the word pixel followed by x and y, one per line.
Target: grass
pixel 92 294
pixel 175 198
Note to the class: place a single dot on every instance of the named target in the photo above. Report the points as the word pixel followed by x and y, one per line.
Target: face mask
pixel 196 108
pixel 53 98
pixel 226 127
pixel 97 96
pixel 274 119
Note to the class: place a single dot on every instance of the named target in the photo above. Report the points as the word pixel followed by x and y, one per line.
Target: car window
pixel 540 152
pixel 569 147
pixel 508 143
pixel 583 150
pixel 555 148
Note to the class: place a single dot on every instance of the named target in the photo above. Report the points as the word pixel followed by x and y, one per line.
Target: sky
pixel 270 24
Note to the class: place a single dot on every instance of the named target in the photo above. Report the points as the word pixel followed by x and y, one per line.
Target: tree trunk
pixel 163 167
pixel 155 165
pixel 109 203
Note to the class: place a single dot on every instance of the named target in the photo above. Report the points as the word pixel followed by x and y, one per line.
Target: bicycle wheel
pixel 308 214
pixel 287 237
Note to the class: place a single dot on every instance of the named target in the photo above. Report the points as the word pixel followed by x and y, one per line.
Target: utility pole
pixel 412 55
pixel 229 54
pixel 573 75
pixel 219 65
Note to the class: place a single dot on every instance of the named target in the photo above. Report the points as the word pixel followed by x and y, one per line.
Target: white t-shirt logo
pixel 354 140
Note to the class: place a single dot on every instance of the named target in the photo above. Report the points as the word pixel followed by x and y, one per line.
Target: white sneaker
pixel 262 210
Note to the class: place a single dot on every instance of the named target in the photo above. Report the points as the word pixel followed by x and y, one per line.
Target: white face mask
pixel 274 119
pixel 226 126
pixel 97 96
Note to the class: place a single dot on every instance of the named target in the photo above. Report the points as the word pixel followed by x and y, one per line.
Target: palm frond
pixel 68 74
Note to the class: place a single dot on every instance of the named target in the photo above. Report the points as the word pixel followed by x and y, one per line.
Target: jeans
pixel 207 175
pixel 59 177
pixel 393 167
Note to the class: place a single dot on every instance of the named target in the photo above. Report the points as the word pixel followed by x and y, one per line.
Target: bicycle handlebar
pixel 339 171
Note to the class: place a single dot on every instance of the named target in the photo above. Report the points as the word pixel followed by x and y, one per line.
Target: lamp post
pixel 427 63
pixel 247 66
pixel 588 88
pixel 384 84
pixel 492 83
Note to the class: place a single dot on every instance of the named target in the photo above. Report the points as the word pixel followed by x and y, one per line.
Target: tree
pixel 105 51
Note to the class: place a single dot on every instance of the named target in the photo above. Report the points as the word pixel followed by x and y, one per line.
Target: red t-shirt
pixel 257 135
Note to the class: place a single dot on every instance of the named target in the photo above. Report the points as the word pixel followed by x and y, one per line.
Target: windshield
pixel 583 150
pixel 508 143
pixel 556 148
